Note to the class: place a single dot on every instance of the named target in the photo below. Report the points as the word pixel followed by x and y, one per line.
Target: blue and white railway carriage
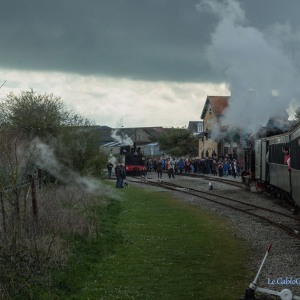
pixel 295 163
pixel 279 176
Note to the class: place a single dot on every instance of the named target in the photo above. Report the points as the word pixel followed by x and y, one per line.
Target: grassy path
pixel 155 247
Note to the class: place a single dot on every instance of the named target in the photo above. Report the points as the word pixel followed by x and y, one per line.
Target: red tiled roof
pixel 218 104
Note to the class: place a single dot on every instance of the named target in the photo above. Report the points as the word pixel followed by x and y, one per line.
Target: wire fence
pixel 19 204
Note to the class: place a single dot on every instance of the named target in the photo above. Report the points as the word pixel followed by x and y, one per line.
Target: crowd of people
pixel 227 165
pixel 221 166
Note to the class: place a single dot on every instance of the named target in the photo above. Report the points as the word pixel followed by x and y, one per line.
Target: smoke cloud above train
pixel 261 71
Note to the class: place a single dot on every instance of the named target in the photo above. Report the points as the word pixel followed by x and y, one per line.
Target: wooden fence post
pixel 33 198
pixel 3 212
pixel 40 178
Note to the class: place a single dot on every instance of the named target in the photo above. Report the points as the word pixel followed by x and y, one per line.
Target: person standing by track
pixel 159 170
pixel 234 169
pixel 109 169
pixel 144 174
pixel 171 168
pixel 225 167
pixel 120 174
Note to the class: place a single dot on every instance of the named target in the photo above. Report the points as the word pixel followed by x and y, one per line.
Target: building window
pixel 200 127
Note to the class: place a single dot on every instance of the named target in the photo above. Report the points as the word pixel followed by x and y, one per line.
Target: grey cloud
pixel 147 40
pixel 155 40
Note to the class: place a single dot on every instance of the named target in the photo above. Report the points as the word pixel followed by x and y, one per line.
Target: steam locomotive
pixel 133 158
pixel 266 164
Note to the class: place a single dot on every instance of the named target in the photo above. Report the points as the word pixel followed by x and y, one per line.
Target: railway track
pixel 215 178
pixel 286 222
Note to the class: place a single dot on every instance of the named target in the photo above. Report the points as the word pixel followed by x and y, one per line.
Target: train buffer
pixel 285 294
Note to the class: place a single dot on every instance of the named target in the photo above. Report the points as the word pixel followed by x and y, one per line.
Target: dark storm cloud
pixel 141 39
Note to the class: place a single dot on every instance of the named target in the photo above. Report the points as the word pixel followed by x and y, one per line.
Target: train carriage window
pixel 280 154
pixel 271 155
pixel 295 154
pixel 276 154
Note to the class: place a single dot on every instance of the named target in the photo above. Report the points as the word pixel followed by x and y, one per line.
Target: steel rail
pixel 180 189
pixel 237 201
pixel 214 178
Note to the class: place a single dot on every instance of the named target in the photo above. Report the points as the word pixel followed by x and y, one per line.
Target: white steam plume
pixel 263 77
pixel 45 157
pixel 123 139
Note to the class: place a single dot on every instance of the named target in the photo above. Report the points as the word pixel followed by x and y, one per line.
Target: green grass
pixel 156 247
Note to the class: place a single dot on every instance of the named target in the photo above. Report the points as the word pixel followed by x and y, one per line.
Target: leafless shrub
pixel 63 210
pixel 38 134
pixel 38 245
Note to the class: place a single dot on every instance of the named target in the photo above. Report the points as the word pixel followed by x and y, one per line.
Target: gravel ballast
pixel 282 263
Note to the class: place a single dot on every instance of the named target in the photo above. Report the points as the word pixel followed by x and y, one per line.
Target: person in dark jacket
pixel 109 169
pixel 120 174
pixel 159 170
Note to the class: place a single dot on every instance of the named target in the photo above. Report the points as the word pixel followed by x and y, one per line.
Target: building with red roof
pixel 212 116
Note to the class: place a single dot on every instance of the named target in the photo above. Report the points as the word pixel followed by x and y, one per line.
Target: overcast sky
pixel 136 63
